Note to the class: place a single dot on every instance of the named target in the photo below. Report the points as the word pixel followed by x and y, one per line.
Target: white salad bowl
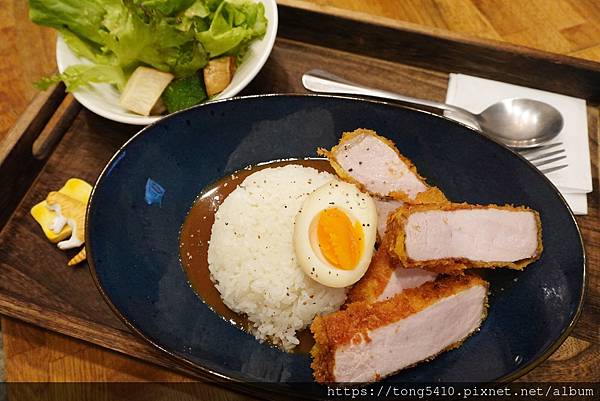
pixel 103 99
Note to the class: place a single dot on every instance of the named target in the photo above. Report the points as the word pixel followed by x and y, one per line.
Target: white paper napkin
pixel 577 202
pixel 575 181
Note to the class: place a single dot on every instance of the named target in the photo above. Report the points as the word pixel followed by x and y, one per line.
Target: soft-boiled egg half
pixel 334 234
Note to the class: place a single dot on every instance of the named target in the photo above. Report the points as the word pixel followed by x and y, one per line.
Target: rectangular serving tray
pixel 56 139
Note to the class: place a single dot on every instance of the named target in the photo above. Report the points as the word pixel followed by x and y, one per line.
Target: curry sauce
pixel 195 236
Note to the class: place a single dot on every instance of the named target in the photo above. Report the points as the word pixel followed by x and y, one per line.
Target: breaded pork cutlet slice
pixel 447 238
pixel 384 208
pixel 366 342
pixel 383 280
pixel 375 165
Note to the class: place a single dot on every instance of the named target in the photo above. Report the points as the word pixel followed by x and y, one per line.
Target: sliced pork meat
pixel 384 208
pixel 383 280
pixel 452 237
pixel 367 342
pixel 402 279
pixel 374 164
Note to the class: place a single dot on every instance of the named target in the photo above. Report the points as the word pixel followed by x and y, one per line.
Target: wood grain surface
pixel 570 27
pixel 27 53
pixel 42 356
pixel 566 27
pixel 439 50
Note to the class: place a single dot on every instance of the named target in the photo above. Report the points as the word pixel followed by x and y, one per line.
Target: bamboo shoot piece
pixel 143 89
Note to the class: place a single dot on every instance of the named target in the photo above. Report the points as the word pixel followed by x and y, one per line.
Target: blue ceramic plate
pixel 133 246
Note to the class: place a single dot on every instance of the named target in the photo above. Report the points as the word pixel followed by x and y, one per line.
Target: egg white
pixel 358 206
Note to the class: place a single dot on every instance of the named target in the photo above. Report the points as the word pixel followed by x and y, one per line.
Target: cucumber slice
pixel 184 93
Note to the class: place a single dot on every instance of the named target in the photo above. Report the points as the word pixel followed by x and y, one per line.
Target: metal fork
pixel 544 155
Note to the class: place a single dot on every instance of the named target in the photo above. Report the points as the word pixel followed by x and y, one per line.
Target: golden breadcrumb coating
pixel 373 283
pixel 354 323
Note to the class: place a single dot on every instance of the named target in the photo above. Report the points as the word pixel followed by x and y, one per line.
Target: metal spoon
pixel 517 123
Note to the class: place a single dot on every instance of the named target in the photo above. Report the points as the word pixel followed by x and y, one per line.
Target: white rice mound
pixel 251 255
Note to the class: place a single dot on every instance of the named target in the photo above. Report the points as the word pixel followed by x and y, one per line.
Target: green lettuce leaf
pixel 155 43
pixel 163 7
pixel 84 48
pixel 82 17
pixel 79 75
pixel 233 26
pixel 176 36
pixel 195 17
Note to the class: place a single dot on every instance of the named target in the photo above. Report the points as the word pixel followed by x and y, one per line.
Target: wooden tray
pixel 56 139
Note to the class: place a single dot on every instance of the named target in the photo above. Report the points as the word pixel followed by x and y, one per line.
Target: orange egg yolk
pixel 340 241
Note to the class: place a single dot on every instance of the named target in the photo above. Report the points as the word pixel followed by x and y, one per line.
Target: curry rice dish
pixel 417 297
